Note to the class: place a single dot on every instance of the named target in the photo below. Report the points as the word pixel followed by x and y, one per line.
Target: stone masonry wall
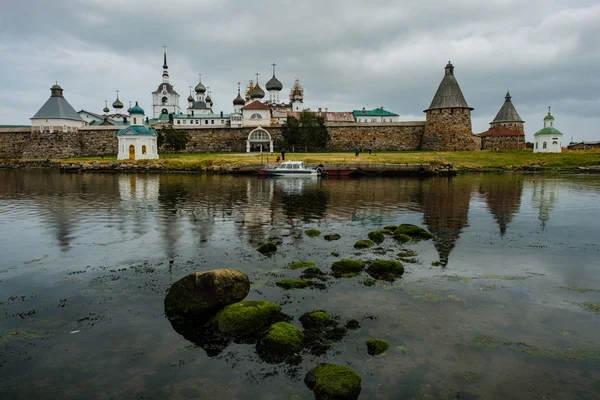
pixel 503 142
pixel 448 130
pixel 380 137
pixel 13 141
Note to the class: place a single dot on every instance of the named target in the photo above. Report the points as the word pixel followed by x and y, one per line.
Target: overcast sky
pixel 347 54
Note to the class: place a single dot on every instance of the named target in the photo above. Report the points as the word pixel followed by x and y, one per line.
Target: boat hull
pixel 292 173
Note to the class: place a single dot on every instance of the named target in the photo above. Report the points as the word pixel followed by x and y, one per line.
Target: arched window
pixel 134 120
pixel 544 145
pixel 259 135
pixel 144 149
pixel 555 142
pixel 536 145
pixel 164 100
pixel 256 116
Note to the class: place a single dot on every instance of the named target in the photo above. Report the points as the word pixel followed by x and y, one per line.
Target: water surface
pixel 86 260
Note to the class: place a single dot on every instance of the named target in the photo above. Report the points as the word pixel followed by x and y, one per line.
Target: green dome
pixel 548 131
pixel 136 109
pixel 549 117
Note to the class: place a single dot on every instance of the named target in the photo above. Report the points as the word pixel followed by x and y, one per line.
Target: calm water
pixel 86 261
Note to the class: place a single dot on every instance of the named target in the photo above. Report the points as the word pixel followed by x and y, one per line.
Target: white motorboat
pixel 291 168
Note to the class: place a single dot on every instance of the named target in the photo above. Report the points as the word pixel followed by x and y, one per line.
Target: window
pixel 296 166
pixel 184 122
pixel 212 121
pixel 536 145
pixel 178 121
pixel 555 142
pixel 197 122
pixel 544 145
pixel 205 122
pixel 144 149
pixel 373 119
pixel 134 120
pixel 256 116
pixel 164 100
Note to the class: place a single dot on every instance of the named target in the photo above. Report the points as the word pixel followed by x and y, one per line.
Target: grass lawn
pixel 461 160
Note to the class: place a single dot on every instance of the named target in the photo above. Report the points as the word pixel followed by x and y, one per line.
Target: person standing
pixel 282 155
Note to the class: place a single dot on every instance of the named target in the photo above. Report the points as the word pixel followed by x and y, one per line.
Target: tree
pixel 172 139
pixel 308 131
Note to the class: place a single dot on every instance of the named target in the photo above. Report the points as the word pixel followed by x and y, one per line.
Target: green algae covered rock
pixel 312 273
pixel 312 232
pixel 347 266
pixel 267 248
pixel 315 319
pixel 376 347
pixel 390 228
pixel 333 236
pixel 377 236
pixel 301 264
pixel 281 340
pixel 293 284
pixel 414 231
pixel 245 317
pixel 402 238
pixel 363 244
pixel 407 253
pixel 202 294
pixel 333 382
pixel 385 269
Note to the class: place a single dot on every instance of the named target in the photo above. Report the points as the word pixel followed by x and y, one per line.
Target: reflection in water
pixel 445 203
pixel 545 197
pixel 503 197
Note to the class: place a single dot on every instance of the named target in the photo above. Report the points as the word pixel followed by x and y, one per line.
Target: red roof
pixel 500 131
pixel 256 105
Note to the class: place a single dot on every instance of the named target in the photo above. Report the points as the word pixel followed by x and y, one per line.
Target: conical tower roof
pixel 57 107
pixel 448 94
pixel 507 112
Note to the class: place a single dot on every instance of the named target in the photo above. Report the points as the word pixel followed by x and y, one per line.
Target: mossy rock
pixel 369 282
pixel 377 236
pixel 352 325
pixel 363 244
pixel 315 319
pixel 281 340
pixel 293 284
pixel 333 236
pixel 390 228
pixel 335 254
pixel 402 238
pixel 202 294
pixel 312 273
pixel 385 269
pixel 437 263
pixel 347 266
pixel 333 382
pixel 407 253
pixel 312 232
pixel 267 248
pixel 301 265
pixel 245 317
pixel 376 347
pixel 414 231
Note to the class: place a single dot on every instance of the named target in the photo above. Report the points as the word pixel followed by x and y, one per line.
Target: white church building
pixel 137 142
pixel 548 139
pixel 165 100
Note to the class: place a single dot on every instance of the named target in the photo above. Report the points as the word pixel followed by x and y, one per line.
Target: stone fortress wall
pixel 22 143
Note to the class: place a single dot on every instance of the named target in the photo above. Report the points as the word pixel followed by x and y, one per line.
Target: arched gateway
pixel 259 140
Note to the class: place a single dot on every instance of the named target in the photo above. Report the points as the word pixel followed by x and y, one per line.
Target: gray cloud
pixel 347 54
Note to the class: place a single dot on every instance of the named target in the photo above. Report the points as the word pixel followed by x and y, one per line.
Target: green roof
pixel 378 112
pixel 136 109
pixel 548 117
pixel 137 130
pixel 548 131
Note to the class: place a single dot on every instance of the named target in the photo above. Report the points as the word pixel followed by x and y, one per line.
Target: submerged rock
pixel 312 232
pixel 377 236
pixel 281 341
pixel 376 347
pixel 333 382
pixel 201 294
pixel 390 228
pixel 402 238
pixel 267 248
pixel 301 264
pixel 414 231
pixel 315 320
pixel 385 269
pixel 293 284
pixel 346 266
pixel 407 253
pixel 363 244
pixel 333 236
pixel 245 317
pixel 312 273
pixel 352 324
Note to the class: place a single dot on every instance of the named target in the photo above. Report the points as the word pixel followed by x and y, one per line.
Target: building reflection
pixel 544 198
pixel 503 197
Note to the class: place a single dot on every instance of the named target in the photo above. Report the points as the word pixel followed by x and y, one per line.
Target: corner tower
pixel 448 126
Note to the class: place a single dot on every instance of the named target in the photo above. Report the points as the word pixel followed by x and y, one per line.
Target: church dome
pixel 200 88
pixel 117 104
pixel 190 98
pixel 549 117
pixel 136 109
pixel 106 109
pixel 257 92
pixel 208 99
pixel 239 100
pixel 274 84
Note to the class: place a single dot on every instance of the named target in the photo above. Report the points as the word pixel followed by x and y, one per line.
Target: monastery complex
pixel 254 124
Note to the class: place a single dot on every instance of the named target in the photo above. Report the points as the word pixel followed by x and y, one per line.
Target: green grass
pixel 461 160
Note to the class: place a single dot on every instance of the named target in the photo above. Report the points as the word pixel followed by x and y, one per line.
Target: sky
pixel 347 54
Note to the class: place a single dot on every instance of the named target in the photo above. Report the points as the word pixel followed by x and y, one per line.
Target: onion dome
pixel 136 109
pixel 239 100
pixel 549 117
pixel 200 88
pixel 208 99
pixel 106 110
pixel 257 92
pixel 117 104
pixel 274 84
pixel 190 98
